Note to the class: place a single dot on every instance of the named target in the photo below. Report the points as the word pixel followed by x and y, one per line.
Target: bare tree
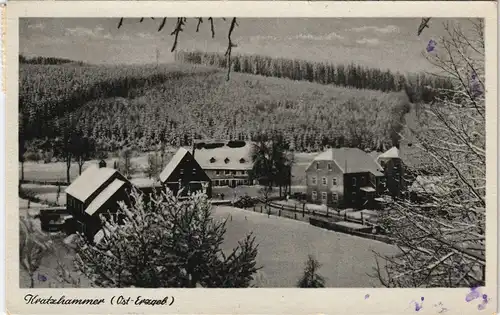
pixel 441 235
pixel 179 28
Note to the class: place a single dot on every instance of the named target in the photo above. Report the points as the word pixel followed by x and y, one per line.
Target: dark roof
pixel 351 160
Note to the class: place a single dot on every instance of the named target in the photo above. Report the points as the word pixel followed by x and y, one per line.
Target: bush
pixel 32 156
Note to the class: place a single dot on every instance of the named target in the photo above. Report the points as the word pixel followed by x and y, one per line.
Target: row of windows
pixel 227 182
pixel 329 166
pixel 182 171
pixel 324 181
pixel 324 196
pixel 227 172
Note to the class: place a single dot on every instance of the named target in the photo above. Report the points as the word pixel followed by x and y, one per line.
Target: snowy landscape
pixel 225 156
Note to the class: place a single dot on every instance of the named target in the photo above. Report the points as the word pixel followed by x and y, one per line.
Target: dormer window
pixel 226 160
pixel 242 160
pixel 317 165
pixel 212 160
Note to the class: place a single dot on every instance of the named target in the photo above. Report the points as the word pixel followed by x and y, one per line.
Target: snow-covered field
pixel 283 249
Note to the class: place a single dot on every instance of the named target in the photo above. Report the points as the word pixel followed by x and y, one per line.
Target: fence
pixel 330 213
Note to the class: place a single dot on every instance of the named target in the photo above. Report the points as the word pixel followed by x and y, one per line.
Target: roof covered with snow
pixel 428 184
pixel 225 158
pixel 172 165
pixel 351 160
pixel 142 182
pixel 104 196
pixel 89 181
pixel 392 153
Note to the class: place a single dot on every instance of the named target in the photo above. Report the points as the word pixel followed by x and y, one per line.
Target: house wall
pixel 230 178
pixel 187 172
pixel 354 197
pixel 333 189
pixel 394 172
pixel 93 223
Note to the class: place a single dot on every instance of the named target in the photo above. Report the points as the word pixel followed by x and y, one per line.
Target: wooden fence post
pixel 362 219
pixel 295 215
pixel 303 210
pixel 253 208
pixel 260 209
pixel 345 215
pixel 282 208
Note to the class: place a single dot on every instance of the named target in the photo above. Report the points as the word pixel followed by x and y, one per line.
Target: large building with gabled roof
pixel 183 172
pixel 96 191
pixel 226 164
pixel 344 177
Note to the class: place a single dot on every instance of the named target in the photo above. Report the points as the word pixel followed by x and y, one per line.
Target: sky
pixel 385 43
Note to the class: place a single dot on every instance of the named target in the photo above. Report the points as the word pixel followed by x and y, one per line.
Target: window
pixel 334 181
pixel 329 166
pixel 234 172
pixel 227 172
pixel 362 180
pixel 242 160
pixel 217 173
pixel 314 195
pixel 335 197
pixel 354 181
pixel 242 172
pixel 182 171
pixel 194 171
pixel 226 160
pixel 324 181
pixel 317 165
pixel 212 160
pixel 313 180
pixel 216 182
pixel 324 195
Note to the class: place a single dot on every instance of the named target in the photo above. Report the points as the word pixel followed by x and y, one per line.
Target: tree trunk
pixel 80 166
pixel 32 280
pixel 22 171
pixel 68 167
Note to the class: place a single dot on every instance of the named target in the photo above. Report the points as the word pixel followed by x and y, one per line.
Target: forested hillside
pixel 47 61
pixel 418 86
pixel 142 106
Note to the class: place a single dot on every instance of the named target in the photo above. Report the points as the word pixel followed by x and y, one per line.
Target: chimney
pixel 102 164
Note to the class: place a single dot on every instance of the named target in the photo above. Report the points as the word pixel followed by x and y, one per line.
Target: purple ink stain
pixel 431 45
pixel 418 307
pixel 485 297
pixel 422 298
pixel 472 295
pixel 42 278
pixel 481 306
pixel 367 296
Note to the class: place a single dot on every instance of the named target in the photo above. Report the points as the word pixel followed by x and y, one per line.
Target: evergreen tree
pixel 311 278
